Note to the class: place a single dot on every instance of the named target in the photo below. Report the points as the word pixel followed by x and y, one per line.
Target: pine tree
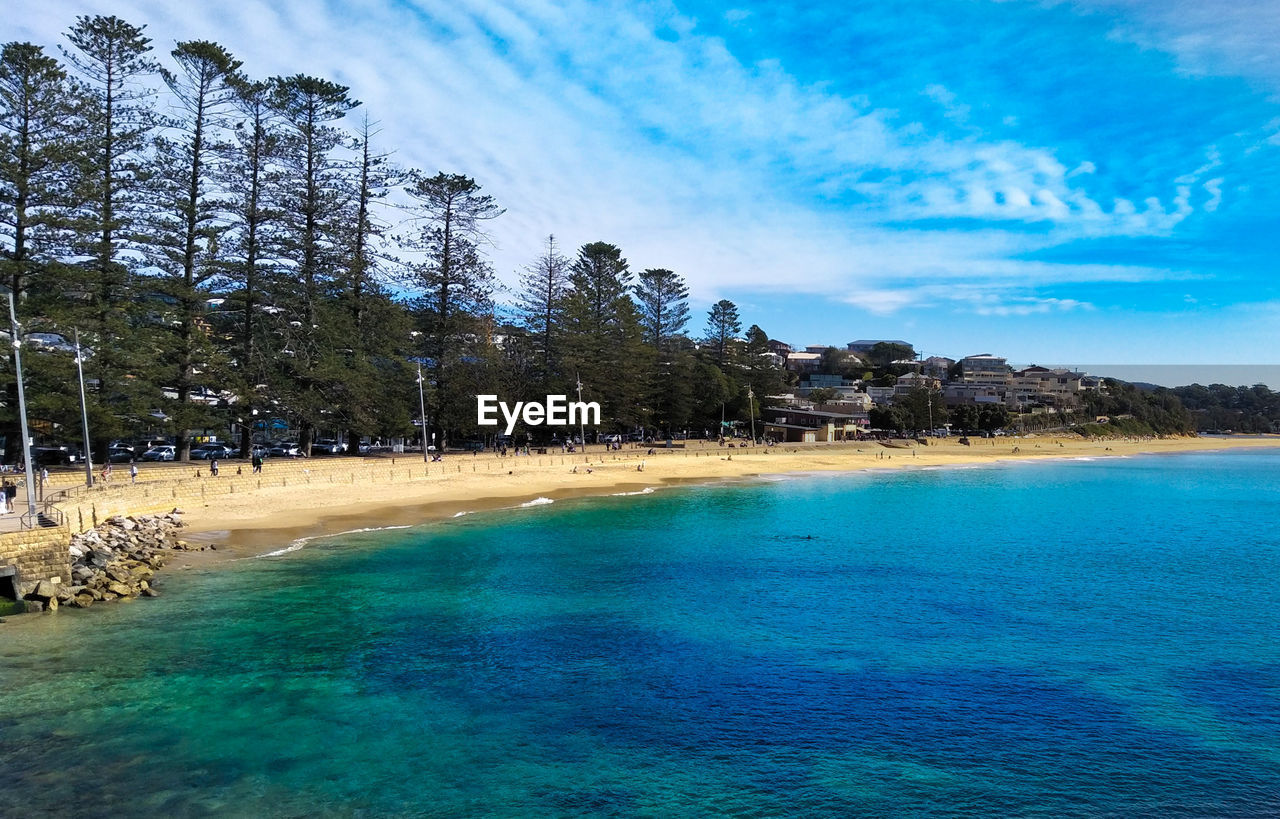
pixel 357 404
pixel 663 299
pixel 38 124
pixel 543 285
pixel 316 190
pixel 111 56
pixel 723 327
pixel 603 342
pixel 188 222
pixel 251 182
pixel 456 281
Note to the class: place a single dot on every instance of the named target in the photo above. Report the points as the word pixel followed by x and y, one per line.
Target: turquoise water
pixel 1054 639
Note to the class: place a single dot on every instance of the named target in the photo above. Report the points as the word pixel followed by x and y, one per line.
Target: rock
pixel 150 592
pixel 34 606
pixel 46 590
pixel 119 589
pixel 82 601
pixel 120 574
pixel 51 604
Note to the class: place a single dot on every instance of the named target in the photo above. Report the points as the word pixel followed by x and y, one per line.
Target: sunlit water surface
pixel 1054 639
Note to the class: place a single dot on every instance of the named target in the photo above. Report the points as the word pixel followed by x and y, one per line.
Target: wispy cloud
pixel 901 161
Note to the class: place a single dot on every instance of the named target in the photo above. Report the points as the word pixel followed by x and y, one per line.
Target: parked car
pixel 160 453
pixel 285 449
pixel 207 452
pixel 328 446
pixel 55 456
pixel 120 454
pixel 260 450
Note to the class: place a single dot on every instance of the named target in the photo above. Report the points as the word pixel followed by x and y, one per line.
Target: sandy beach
pixel 246 515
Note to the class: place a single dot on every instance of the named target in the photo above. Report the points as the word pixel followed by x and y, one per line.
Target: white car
pixel 160 453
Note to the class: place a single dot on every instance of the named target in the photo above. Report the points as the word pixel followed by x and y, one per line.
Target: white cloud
pixel 583 122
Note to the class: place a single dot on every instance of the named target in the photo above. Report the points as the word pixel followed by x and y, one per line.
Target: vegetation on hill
pixel 1133 412
pixel 1239 409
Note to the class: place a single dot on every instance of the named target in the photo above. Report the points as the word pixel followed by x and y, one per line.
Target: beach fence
pixel 164 487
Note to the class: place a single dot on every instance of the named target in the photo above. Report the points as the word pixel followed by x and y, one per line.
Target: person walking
pixel 257 464
pixel 213 467
pixel 133 472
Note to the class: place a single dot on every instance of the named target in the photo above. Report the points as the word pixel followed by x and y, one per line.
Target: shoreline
pixel 256 523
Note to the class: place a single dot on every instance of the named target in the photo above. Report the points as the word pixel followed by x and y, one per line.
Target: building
pixel 864 345
pixel 803 362
pixel 794 424
pixel 1041 385
pixel 957 393
pixel 907 383
pixel 880 396
pixel 984 368
pixel 937 366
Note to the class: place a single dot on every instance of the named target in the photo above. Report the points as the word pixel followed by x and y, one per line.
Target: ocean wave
pixel 536 502
pixel 461 514
pixel 648 490
pixel 303 541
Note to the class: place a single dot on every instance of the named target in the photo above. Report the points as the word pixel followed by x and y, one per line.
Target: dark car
pixel 55 456
pixel 120 455
pixel 285 449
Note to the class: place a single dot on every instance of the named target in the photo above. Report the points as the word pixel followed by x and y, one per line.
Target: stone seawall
pixel 32 556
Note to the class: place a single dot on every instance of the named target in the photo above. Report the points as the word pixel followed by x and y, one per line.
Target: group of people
pixel 107 470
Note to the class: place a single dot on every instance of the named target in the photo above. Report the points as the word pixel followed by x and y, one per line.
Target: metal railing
pixel 46 516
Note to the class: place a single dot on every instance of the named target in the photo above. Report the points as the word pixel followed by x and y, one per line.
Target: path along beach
pixel 247 514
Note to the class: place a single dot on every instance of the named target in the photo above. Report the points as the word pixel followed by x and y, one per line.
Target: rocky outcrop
pixel 117 559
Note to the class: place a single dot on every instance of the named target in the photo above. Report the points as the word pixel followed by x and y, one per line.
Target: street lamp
pixel 422 408
pixel 582 430
pixel 15 334
pixel 84 416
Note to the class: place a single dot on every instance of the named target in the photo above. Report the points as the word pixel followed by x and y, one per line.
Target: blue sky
pixel 1057 182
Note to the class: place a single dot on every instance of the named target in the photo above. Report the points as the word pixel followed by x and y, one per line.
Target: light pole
pixel 84 416
pixel 422 408
pixel 582 430
pixel 751 408
pixel 22 410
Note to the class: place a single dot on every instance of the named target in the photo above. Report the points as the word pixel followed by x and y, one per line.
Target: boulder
pixel 118 589
pixel 46 590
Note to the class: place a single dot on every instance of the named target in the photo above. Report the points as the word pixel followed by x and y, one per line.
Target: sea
pixel 1069 638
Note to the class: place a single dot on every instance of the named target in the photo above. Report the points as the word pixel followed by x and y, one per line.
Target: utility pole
pixel 84 416
pixel 422 408
pixel 16 334
pixel 751 408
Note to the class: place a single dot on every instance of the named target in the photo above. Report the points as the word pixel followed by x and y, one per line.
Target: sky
pixel 1063 183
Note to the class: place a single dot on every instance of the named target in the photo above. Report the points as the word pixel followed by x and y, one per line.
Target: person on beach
pixel 257 464
pixel 213 467
pixel 133 472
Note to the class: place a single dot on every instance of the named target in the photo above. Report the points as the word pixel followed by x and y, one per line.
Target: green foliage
pixel 1157 413
pixel 239 242
pixel 1253 409
pixel 922 408
pixel 723 326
